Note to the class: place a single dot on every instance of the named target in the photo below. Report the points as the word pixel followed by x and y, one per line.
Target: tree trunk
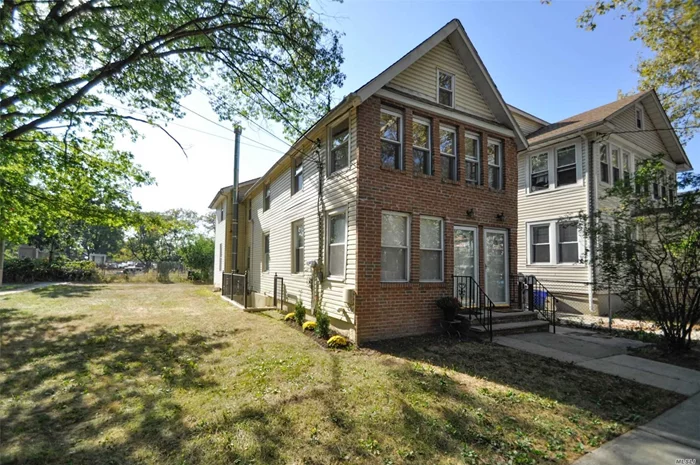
pixel 2 257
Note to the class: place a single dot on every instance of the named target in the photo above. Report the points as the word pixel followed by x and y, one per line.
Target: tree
pixel 198 255
pixel 670 29
pixel 649 250
pixel 159 236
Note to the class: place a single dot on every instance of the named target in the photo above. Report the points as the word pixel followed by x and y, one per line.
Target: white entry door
pixel 466 257
pixel 496 265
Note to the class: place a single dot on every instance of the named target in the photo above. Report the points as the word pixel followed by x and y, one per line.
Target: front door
pixel 466 258
pixel 496 265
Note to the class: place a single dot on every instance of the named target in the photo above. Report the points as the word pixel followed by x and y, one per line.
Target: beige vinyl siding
pixel 527 126
pixel 420 79
pixel 546 206
pixel 339 193
pixel 648 140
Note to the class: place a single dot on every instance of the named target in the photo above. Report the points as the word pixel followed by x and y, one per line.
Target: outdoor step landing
pixel 517 327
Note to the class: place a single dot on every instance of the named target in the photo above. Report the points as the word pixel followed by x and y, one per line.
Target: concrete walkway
pixel 30 287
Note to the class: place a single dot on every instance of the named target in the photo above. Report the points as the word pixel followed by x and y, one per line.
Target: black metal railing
pixel 235 287
pixel 278 292
pixel 474 302
pixel 530 294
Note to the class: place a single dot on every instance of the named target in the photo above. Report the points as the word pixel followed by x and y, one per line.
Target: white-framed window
pixel 539 243
pixel 339 146
pixel 446 88
pixel 432 247
pixel 448 152
pixel 495 160
pixel 266 251
pixel 337 231
pixel 298 246
pixel 297 175
pixel 566 165
pixel 221 256
pixel 472 155
pixel 396 243
pixel 221 213
pixel 391 136
pixel 539 172
pixel 267 197
pixel 626 167
pixel 615 154
pixel 567 242
pixel 604 163
pixel 639 117
pixel 422 155
pixel 553 243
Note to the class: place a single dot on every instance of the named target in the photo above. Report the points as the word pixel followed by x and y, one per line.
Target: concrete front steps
pixel 512 322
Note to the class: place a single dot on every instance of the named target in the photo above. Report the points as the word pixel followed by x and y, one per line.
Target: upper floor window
pixel 655 189
pixel 221 213
pixel 539 172
pixel 446 88
pixel 267 197
pixel 626 164
pixel 431 249
pixel 421 146
pixel 336 245
pixel 448 152
pixel 297 175
pixel 266 252
pixel 298 246
pixel 395 247
pixel 639 117
pixel 663 186
pixel 495 155
pixel 604 164
pixel 566 165
pixel 390 133
pixel 615 152
pixel 339 146
pixel 472 149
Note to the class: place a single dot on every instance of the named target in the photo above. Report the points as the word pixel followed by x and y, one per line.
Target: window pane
pixel 447 142
pixel 539 181
pixel 390 154
pixel 337 260
pixel 430 234
pixel 494 153
pixel 340 134
pixel 539 163
pixel 448 167
pixel 393 264
pixel 430 265
pixel 299 260
pixel 540 235
pixel 267 243
pixel 615 157
pixel 300 235
pixel 339 158
pixel 420 161
pixel 472 174
pixel 566 176
pixel 568 253
pixel 568 232
pixel 445 81
pixel 566 156
pixel 494 177
pixel 420 135
pixel 337 229
pixel 394 228
pixel 471 147
pixel 540 253
pixel 389 127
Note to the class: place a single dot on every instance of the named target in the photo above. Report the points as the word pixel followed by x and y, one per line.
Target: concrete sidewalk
pixel 30 287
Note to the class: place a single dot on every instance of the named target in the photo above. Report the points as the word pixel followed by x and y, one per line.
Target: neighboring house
pixel 566 170
pixel 418 182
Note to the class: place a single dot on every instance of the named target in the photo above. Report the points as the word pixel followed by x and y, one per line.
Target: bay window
pixel 472 146
pixel 448 152
pixel 422 157
pixel 431 249
pixel 395 247
pixel 390 134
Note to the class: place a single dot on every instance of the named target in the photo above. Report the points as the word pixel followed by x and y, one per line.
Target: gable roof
pixel 243 187
pixel 527 115
pixel 457 36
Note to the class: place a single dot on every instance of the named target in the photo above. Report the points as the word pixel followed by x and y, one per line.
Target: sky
pixel 537 56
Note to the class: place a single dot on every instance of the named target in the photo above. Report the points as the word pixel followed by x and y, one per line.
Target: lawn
pixel 171 374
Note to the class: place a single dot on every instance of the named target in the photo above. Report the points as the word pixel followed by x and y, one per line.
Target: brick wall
pixel 388 310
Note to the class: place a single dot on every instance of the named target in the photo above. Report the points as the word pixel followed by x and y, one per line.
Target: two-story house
pixel 408 181
pixel 567 169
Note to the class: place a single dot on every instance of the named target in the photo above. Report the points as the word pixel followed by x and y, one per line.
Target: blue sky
pixel 536 55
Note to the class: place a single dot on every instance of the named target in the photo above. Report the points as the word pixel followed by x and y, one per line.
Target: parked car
pixel 133 269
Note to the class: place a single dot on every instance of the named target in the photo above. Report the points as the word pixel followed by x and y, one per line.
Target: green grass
pixel 171 374
pixel 12 287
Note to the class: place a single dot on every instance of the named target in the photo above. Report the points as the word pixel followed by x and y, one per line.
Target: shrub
pixel 25 270
pixel 449 305
pixel 323 324
pixel 337 342
pixel 290 316
pixel 309 326
pixel 299 313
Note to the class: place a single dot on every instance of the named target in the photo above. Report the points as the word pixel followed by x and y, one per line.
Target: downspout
pixel 234 202
pixel 591 206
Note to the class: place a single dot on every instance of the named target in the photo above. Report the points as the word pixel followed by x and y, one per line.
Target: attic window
pixel 446 88
pixel 639 117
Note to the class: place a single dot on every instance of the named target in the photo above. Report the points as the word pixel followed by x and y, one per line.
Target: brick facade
pixel 388 310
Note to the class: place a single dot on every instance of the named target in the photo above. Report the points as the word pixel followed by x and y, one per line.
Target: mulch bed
pixel 690 359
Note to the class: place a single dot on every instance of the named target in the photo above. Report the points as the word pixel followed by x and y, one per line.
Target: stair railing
pixel 475 302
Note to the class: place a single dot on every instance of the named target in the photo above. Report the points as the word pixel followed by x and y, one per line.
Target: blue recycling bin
pixel 540 298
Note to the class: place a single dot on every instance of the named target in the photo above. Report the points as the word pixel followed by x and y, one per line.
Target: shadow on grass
pixel 66 389
pixel 67 290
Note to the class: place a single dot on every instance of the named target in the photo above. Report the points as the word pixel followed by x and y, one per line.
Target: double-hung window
pixel 448 152
pixel 221 213
pixel 298 175
pixel 615 152
pixel 266 252
pixel 566 165
pixel 472 148
pixel 539 238
pixel 626 163
pixel 446 89
pixel 604 164
pixel 298 247
pixel 395 247
pixel 431 249
pixel 390 133
pixel 639 117
pixel 422 158
pixel 539 172
pixel 495 160
pixel 339 146
pixel 267 197
pixel 567 241
pixel 336 245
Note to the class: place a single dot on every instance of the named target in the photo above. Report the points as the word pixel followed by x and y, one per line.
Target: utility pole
pixel 234 202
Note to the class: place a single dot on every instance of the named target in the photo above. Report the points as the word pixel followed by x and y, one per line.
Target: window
pixel 221 213
pixel 298 247
pixel 266 252
pixel 626 168
pixel 472 146
pixel 431 249
pixel 422 158
pixel 448 153
pixel 339 151
pixel 663 186
pixel 655 189
pixel 247 258
pixel 297 175
pixel 336 245
pixel 604 164
pixel 539 172
pixel 495 154
pixel 566 165
pixel 615 152
pixel 250 210
pixel 266 197
pixel 639 117
pixel 539 237
pixel 446 88
pixel 390 130
pixel 395 247
pixel 221 256
pixel 567 242
pixel 637 184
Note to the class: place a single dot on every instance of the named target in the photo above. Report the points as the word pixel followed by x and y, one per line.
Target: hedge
pixel 25 270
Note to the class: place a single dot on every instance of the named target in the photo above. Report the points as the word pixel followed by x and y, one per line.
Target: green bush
pixel 323 324
pixel 25 270
pixel 299 313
